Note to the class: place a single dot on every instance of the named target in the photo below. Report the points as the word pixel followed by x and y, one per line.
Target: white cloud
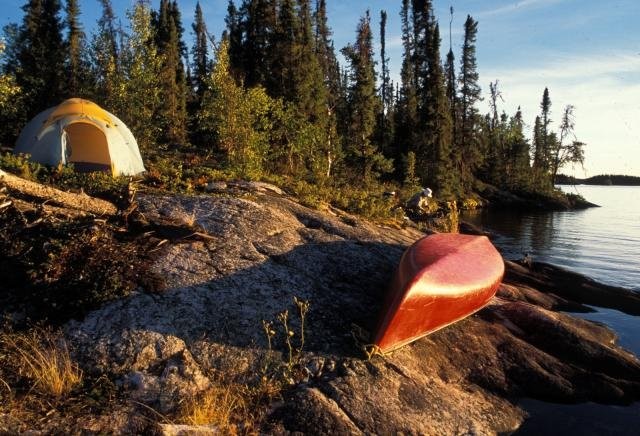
pixel 516 7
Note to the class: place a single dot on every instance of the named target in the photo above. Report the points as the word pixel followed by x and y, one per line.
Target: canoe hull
pixel 441 279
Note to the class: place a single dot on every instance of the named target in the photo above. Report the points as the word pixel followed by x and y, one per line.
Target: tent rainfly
pixel 80 132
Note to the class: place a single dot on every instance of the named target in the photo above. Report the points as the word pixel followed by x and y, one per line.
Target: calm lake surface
pixel 602 243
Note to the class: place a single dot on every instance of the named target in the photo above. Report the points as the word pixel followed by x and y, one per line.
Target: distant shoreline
pixel 601 180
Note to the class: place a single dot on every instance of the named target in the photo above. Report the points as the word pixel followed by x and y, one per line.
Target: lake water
pixel 602 243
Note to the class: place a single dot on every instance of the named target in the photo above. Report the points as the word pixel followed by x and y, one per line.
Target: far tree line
pixel 269 95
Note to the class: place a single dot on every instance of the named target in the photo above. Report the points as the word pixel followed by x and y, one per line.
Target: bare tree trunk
pixel 81 202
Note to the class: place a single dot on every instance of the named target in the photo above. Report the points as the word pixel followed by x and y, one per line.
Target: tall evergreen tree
pixel 545 114
pixel 452 89
pixel 520 167
pixel 284 62
pixel 138 98
pixel 234 30
pixel 105 58
pixel 172 112
pixel 438 124
pixel 385 131
pixel 77 63
pixel 335 98
pixel 407 105
pixel 200 52
pixel 470 155
pixel 259 26
pixel 311 94
pixel 41 55
pixel 363 105
pixel 386 90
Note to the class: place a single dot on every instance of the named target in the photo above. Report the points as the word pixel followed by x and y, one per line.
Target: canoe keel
pixel 441 279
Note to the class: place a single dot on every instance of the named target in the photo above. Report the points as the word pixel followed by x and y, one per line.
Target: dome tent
pixel 80 132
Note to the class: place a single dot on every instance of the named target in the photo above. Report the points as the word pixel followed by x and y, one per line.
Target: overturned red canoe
pixel 441 279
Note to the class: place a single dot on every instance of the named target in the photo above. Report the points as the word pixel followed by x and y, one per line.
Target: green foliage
pixel 363 106
pixel 137 97
pixel 41 55
pixel 21 166
pixel 237 119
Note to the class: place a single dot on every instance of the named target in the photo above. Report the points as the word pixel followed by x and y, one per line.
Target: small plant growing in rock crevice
pixel 293 353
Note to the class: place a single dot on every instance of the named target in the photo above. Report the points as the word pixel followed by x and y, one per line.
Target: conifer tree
pixel 172 111
pixel 386 91
pixel 385 131
pixel 326 55
pixel 470 155
pixel 41 55
pixel 282 81
pixel 311 94
pixel 105 58
pixel 200 52
pixel 545 113
pixel 363 105
pixel 407 106
pixel 259 26
pixel 335 98
pixel 77 63
pixel 452 90
pixel 438 124
pixel 234 30
pixel 519 174
pixel 138 97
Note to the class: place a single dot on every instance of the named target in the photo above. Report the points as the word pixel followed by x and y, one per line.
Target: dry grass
pixel 216 406
pixel 42 356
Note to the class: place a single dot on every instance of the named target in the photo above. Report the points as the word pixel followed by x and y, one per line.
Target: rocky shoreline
pixel 197 321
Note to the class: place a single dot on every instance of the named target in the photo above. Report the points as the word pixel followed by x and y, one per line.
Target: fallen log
pixel 69 200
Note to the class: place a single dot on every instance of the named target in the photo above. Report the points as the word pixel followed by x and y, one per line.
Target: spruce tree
pixel 200 52
pixel 172 111
pixel 234 34
pixel 385 89
pixel 77 63
pixel 363 105
pixel 335 98
pixel 311 94
pixel 385 131
pixel 41 55
pixel 259 26
pixel 197 76
pixel 438 124
pixel 520 173
pixel 470 156
pixel 406 115
pixel 138 97
pixel 105 58
pixel 326 55
pixel 545 113
pixel 282 80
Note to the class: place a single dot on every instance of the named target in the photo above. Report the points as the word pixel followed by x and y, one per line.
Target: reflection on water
pixel 603 243
pixel 579 419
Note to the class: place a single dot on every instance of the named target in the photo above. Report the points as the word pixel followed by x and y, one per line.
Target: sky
pixel 587 52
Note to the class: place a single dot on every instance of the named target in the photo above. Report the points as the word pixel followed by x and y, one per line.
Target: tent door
pixel 87 147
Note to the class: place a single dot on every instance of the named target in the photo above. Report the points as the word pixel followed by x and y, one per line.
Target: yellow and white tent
pixel 80 132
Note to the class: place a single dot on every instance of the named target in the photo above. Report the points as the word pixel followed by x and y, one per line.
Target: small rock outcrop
pixel 264 250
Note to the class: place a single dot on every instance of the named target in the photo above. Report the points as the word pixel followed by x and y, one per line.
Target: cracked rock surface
pixel 263 250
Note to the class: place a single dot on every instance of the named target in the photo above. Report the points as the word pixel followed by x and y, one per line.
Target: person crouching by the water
pixel 419 203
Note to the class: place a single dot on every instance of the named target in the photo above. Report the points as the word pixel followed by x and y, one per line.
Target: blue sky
pixel 586 51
